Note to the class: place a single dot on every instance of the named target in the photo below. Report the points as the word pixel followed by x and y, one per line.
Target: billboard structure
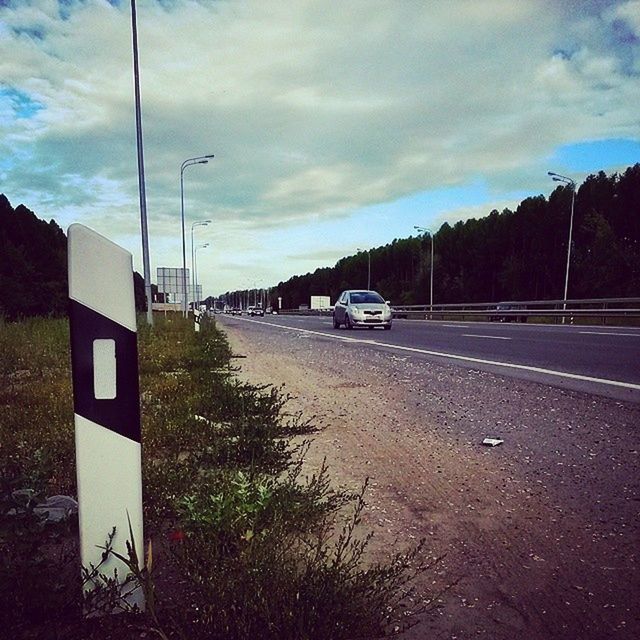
pixel 171 284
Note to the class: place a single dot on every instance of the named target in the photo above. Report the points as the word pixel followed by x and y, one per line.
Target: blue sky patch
pixel 34 33
pixel 598 155
pixel 23 106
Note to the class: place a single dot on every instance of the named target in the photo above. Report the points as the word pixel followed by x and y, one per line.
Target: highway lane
pixel 602 360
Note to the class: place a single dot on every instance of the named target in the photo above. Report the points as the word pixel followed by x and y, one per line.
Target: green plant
pixel 39 577
pixel 244 545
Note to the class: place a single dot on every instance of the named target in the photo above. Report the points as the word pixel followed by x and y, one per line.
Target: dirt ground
pixel 539 534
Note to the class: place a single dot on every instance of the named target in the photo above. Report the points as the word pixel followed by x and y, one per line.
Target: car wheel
pixel 387 327
pixel 336 324
pixel 347 322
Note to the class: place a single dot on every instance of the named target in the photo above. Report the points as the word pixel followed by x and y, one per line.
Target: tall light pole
pixel 556 177
pixel 141 185
pixel 423 230
pixel 199 223
pixel 195 273
pixel 187 163
pixel 368 268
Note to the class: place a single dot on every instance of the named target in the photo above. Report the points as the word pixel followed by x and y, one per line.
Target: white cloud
pixel 311 110
pixel 630 13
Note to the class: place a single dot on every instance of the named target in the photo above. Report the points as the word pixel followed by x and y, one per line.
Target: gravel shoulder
pixel 540 534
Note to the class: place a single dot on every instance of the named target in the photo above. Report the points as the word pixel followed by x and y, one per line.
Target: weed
pixel 241 544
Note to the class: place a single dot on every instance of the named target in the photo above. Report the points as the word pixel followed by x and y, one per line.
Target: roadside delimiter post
pixel 104 358
pixel 196 319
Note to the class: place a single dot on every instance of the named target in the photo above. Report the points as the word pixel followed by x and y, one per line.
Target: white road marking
pixel 610 333
pixel 456 326
pixel 452 356
pixel 477 335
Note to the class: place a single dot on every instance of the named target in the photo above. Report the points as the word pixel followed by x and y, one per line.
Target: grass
pixel 240 543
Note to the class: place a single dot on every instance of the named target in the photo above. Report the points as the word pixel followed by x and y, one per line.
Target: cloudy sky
pixel 335 125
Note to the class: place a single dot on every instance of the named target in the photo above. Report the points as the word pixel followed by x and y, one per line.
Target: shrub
pixel 242 545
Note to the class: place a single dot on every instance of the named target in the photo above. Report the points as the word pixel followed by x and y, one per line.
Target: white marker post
pixel 104 357
pixel 196 319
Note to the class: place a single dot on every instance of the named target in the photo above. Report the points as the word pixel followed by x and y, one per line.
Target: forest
pixel 507 255
pixel 33 265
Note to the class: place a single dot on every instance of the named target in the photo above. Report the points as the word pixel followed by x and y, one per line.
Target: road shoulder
pixel 539 531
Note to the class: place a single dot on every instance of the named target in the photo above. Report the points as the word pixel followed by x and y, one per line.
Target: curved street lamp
pixel 199 223
pixel 557 177
pixel 187 163
pixel 425 230
pixel 196 303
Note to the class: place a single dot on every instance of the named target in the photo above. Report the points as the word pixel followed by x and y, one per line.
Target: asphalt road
pixel 591 359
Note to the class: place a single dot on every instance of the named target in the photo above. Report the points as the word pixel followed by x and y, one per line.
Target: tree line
pixel 33 266
pixel 507 255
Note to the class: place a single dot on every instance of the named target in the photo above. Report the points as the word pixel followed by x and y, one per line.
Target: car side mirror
pixel 388 302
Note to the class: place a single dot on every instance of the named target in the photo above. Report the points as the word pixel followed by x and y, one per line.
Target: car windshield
pixel 364 297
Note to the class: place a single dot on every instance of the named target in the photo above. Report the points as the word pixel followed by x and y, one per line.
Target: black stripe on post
pixel 122 414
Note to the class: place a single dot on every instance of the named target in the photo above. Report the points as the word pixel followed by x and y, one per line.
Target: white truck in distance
pixel 320 302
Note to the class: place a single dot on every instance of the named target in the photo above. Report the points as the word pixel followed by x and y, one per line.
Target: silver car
pixel 356 308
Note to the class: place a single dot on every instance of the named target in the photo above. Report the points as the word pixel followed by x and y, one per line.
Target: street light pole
pixel 423 230
pixel 141 182
pixel 199 223
pixel 196 303
pixel 556 177
pixel 187 163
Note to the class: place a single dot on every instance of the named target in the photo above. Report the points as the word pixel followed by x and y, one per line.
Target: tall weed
pixel 244 546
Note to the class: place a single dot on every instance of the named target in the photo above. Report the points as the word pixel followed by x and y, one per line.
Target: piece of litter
pixel 492 442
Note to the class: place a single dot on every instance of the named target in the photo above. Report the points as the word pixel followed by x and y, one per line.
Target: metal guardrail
pixel 588 307
pixel 306 312
pixel 584 308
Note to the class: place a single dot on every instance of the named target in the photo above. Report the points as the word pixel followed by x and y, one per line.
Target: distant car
pixel 236 311
pixel 361 308
pixel 255 311
pixel 507 317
